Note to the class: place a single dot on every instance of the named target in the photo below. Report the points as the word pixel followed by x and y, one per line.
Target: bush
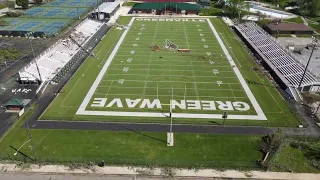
pixel 14 14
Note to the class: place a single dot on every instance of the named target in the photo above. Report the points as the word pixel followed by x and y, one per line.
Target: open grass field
pixel 132 148
pixel 128 81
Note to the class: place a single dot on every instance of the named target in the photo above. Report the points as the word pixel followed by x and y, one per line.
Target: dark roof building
pixel 165 7
pixel 288 28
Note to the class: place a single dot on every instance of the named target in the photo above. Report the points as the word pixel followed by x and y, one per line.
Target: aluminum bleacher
pixel 282 60
pixel 59 54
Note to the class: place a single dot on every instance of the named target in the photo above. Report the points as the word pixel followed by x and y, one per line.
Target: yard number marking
pixel 125 69
pixel 215 71
pixel 199 29
pixel 201 34
pixel 132 52
pixel 129 60
pixel 139 33
pixel 211 62
pixel 219 83
pixel 135 45
pixel 203 40
pixel 208 53
pixel 205 46
pixel 137 39
pixel 121 81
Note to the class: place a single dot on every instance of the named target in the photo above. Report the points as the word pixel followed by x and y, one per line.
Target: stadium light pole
pixel 32 145
pixel 34 56
pixel 314 41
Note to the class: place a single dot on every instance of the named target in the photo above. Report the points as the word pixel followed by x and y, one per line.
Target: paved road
pixel 42 176
pixel 150 127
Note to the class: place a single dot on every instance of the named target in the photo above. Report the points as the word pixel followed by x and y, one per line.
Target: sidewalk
pixel 117 170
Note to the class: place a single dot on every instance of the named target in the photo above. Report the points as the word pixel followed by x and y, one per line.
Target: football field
pixel 191 69
pixel 179 66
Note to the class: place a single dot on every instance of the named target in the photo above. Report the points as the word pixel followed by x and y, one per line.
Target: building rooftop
pixel 288 27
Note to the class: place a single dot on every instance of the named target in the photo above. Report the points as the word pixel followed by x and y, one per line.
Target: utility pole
pixel 31 141
pixel 314 43
pixel 34 57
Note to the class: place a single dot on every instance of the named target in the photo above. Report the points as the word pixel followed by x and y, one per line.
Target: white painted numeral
pixel 139 33
pixel 121 81
pixel 129 60
pixel 208 53
pixel 199 29
pixel 219 83
pixel 201 34
pixel 206 46
pixel 135 45
pixel 132 52
pixel 125 69
pixel 203 40
pixel 211 62
pixel 137 39
pixel 215 71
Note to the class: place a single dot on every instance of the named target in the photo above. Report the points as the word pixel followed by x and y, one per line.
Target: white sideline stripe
pixel 239 75
pixel 95 84
pixel 82 111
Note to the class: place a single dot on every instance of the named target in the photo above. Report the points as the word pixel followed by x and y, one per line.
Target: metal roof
pixel 107 7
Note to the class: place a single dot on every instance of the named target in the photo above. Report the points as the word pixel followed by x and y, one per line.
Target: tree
pixel 271 142
pixel 23 3
pixel 38 1
pixel 234 7
pixel 10 4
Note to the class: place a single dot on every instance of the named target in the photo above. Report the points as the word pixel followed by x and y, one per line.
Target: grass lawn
pixel 131 148
pixel 211 12
pixel 294 20
pixel 67 103
pixel 292 160
pixel 316 27
pixel 129 3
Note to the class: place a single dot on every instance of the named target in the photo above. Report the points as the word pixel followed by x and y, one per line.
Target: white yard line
pixel 193 75
pixel 199 89
pixel 109 89
pixel 232 92
pixel 169 70
pixel 150 57
pixel 198 82
pixel 160 75
pixel 203 65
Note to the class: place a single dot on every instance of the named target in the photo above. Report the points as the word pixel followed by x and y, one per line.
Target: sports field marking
pixel 167 95
pixel 191 64
pixel 159 75
pixel 198 82
pixel 235 90
pixel 150 57
pixel 260 115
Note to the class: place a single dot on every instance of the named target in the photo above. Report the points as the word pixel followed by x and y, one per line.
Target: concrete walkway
pixel 157 172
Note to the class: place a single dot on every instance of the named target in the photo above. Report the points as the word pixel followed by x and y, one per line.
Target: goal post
pixel 170 45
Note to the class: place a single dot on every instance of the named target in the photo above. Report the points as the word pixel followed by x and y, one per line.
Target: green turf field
pixel 138 81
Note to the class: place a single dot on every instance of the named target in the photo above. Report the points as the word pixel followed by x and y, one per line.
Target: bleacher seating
pixel 58 55
pixel 277 55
